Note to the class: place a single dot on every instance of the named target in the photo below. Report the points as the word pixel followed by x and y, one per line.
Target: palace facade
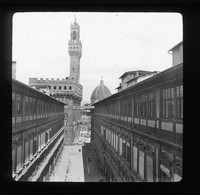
pixel 137 132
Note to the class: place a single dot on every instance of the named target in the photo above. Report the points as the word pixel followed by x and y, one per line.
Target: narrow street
pixel 91 171
pixel 69 167
pixel 77 163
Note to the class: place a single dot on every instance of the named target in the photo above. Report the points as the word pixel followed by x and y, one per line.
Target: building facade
pixel 132 77
pixel 137 132
pixel 67 90
pixel 177 54
pixel 37 133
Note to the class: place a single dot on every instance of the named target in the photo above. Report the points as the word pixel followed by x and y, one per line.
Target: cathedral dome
pixel 100 92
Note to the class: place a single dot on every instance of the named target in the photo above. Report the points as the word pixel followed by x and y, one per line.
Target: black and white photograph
pixel 97 96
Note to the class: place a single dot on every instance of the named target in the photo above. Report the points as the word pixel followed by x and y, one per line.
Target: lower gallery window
pixel 31 148
pixel 141 164
pixel 124 149
pixel 35 145
pixel 149 168
pixel 135 154
pixel 120 146
pixel 19 157
pixel 111 138
pixel 13 159
pixel 128 151
pixel 26 151
pixel 39 142
pixel 116 142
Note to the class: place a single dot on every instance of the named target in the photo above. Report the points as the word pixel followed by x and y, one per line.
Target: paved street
pixel 77 163
pixel 69 168
pixel 91 171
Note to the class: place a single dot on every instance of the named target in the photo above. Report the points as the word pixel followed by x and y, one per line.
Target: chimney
pixel 14 69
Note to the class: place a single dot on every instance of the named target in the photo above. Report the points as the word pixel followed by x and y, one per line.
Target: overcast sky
pixel 112 43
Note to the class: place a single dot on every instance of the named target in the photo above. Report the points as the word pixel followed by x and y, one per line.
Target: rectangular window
pixel 117 143
pixel 141 164
pixel 109 133
pixel 144 105
pixel 60 87
pixel 137 104
pixel 111 138
pixel 31 148
pixel 151 104
pixel 135 155
pixel 149 168
pixel 19 157
pixel 13 104
pixel 54 87
pixel 65 87
pixel 39 143
pixel 124 149
pixel 19 104
pixel 35 145
pixel 13 160
pixel 120 146
pixel 26 151
pixel 128 152
pixel 26 105
pixel 168 103
pixel 179 102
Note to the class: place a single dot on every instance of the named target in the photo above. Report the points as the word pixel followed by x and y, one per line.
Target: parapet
pixel 48 80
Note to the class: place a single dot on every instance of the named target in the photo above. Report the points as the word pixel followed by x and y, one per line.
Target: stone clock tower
pixel 68 89
pixel 75 52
